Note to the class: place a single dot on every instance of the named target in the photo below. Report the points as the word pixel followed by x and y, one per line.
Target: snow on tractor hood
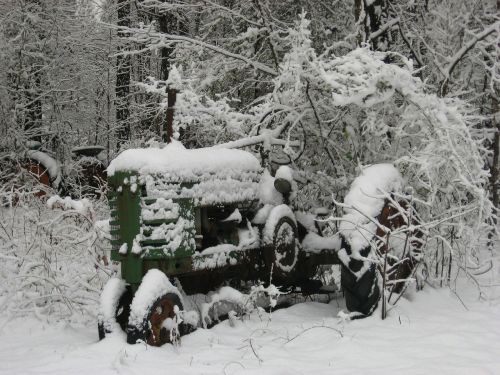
pixel 184 164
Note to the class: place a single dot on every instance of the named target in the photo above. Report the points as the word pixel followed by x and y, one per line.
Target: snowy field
pixel 435 333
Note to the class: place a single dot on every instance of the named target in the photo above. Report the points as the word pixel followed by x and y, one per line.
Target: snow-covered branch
pixel 460 54
pixel 156 40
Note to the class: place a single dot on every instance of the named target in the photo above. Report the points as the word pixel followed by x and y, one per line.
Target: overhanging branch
pixel 159 40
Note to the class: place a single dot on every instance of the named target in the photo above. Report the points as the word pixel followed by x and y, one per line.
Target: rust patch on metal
pixel 160 312
pixel 392 219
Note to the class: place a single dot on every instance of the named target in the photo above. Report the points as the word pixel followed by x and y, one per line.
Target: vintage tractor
pixel 198 218
pixel 185 222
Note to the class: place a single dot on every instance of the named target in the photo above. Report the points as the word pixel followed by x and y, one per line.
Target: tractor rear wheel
pixel 361 295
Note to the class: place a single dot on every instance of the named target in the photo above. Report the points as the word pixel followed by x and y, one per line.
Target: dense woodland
pixel 326 87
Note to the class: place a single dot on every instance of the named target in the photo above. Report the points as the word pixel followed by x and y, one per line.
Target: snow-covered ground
pixel 432 334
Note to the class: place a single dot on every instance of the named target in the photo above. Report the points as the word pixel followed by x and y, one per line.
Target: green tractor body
pixel 182 234
pixel 202 217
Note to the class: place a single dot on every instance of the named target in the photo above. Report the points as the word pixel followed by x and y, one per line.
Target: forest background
pixel 324 86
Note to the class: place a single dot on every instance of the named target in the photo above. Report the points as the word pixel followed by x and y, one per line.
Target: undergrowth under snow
pixel 53 259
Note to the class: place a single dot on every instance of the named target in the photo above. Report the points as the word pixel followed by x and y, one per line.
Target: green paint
pixel 126 224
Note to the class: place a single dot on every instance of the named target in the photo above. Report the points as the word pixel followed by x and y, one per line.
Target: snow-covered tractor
pixel 185 221
pixel 199 217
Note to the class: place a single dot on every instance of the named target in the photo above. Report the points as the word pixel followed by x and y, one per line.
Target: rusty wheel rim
pixel 284 244
pixel 162 310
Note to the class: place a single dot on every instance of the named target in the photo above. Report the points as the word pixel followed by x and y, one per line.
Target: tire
pixel 123 309
pixel 121 296
pixel 361 295
pixel 152 330
pixel 157 305
pixel 282 259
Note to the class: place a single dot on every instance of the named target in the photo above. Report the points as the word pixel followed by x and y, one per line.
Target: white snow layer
pixel 52 166
pixel 365 201
pixel 226 293
pixel 219 255
pixel 178 162
pixel 235 216
pixel 267 193
pixel 110 296
pixel 214 257
pixel 160 209
pixel 154 285
pixel 432 334
pixel 103 229
pixel 275 215
pixel 222 186
pixel 262 214
pixel 314 243
pixel 174 80
pixel 285 173
pixel 307 220
pixel 82 206
pixel 123 248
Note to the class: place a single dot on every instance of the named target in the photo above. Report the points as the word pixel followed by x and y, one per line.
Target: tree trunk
pixel 494 171
pixel 166 22
pixel 368 17
pixel 122 89
pixel 494 179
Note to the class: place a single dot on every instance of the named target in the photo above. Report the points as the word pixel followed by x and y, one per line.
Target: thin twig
pixel 310 328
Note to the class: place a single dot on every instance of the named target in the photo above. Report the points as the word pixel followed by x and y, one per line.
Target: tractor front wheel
pixel 116 298
pixel 162 324
pixel 156 312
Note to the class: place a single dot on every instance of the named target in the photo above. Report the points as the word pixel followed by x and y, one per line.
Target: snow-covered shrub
pixel 387 114
pixel 53 259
